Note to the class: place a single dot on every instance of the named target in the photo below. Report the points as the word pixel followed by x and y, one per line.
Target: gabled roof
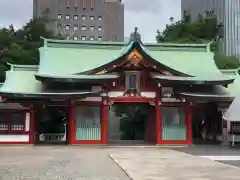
pixel 62 58
pixel 67 57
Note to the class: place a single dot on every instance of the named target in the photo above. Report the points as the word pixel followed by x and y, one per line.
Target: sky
pixel 147 15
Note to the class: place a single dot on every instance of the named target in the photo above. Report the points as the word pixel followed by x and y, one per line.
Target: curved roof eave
pixel 21 67
pixel 49 94
pixel 77 78
pixel 208 97
pixel 194 80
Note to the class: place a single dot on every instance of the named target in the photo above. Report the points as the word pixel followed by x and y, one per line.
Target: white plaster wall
pixel 148 94
pixel 14 138
pixel 171 100
pixel 114 94
pixel 92 99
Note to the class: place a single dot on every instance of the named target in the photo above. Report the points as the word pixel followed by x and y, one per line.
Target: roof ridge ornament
pixel 135 36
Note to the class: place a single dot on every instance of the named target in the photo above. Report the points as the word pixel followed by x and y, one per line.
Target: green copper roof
pixel 73 60
pixel 193 63
pixel 232 91
pixel 60 57
pixel 22 83
pixel 217 93
pixel 62 61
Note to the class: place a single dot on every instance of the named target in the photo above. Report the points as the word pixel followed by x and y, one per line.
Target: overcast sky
pixel 147 15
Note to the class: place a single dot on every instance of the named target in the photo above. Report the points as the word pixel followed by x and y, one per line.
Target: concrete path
pixel 223 154
pixel 58 163
pixel 166 164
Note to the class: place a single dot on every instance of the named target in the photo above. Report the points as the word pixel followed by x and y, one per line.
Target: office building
pixel 84 19
pixel 227 12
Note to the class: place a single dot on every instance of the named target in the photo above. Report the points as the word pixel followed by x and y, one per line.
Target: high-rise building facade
pixel 84 19
pixel 227 12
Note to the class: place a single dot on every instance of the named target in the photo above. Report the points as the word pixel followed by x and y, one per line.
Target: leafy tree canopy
pixel 21 46
pixel 204 30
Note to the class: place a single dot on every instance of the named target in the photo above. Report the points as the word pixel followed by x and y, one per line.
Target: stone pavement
pixel 99 163
pixel 166 164
pixel 58 163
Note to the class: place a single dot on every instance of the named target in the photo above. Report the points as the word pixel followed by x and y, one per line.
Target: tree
pixel 21 46
pixel 204 30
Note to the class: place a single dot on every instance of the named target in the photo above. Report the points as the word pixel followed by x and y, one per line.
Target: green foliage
pixel 21 46
pixel 224 62
pixel 204 30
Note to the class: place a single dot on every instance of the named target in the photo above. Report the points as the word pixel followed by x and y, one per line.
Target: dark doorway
pixel 207 124
pixel 128 123
pixel 51 125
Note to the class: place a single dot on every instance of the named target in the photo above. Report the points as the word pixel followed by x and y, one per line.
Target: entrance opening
pixel 207 124
pixel 129 123
pixel 51 125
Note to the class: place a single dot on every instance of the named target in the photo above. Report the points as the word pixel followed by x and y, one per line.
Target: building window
pixel 90 115
pixel 92 17
pixel 99 28
pixel 99 38
pixel 83 28
pixel 131 80
pixel 75 17
pixel 67 27
pixel 59 16
pixel 75 38
pixel 68 17
pixel 75 28
pixel 91 38
pixel 68 3
pixel 12 122
pixel 83 38
pixel 173 123
pixel 84 17
pixel 92 4
pixel 99 18
pixel 92 28
pixel 59 25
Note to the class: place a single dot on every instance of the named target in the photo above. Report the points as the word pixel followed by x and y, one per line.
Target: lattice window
pixel 131 80
pixel 12 121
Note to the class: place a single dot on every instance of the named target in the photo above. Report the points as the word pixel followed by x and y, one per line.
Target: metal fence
pixel 52 137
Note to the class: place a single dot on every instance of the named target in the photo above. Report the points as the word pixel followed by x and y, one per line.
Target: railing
pixel 52 137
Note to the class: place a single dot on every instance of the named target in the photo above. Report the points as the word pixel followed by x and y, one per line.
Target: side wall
pixel 15 131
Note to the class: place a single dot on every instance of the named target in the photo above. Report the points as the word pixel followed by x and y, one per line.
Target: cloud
pixel 139 6
pixel 16 12
pixel 155 16
pixel 147 15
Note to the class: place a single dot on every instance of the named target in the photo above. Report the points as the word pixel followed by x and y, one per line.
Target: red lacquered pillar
pixel 189 123
pixel 104 121
pixel 32 135
pixel 158 116
pixel 72 123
